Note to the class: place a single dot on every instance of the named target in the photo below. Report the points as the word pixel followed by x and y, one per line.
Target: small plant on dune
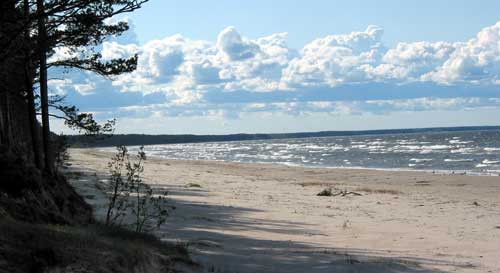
pixel 149 207
pixel 128 192
pixel 60 146
pixel 325 192
pixel 182 248
pixel 118 188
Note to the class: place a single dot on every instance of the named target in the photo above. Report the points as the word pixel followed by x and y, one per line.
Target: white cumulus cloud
pixel 336 59
pixel 475 61
pixel 186 71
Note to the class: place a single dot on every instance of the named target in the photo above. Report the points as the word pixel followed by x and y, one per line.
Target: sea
pixel 468 152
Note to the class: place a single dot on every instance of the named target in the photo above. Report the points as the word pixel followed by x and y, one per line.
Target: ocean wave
pixel 420 160
pixel 436 147
pixel 470 151
pixel 458 160
pixel 378 143
pixel 361 146
pixel 487 161
pixel 455 141
pixel 463 151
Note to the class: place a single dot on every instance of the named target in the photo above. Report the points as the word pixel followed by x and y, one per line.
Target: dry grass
pixel 314 183
pixel 379 191
pixel 93 248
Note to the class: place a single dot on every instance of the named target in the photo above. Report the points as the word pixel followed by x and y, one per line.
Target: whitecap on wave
pixel 420 160
pixel 487 161
pixel 456 141
pixel 463 151
pixel 458 160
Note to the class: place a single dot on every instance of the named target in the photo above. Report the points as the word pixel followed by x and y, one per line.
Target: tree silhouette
pixel 78 26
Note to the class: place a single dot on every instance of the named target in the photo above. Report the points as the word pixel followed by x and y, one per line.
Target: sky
pixel 217 67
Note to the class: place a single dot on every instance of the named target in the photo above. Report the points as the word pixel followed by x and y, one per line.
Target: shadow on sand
pixel 211 234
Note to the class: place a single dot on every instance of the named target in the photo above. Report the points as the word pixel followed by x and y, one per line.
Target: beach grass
pixel 95 247
pixel 378 191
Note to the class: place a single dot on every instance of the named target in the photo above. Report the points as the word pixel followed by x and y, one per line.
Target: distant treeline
pixel 141 139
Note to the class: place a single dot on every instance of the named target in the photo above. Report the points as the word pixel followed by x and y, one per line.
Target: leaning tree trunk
pixel 28 81
pixel 42 47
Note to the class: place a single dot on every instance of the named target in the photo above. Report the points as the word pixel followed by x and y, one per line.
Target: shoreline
pixel 285 164
pixel 244 217
pixel 293 165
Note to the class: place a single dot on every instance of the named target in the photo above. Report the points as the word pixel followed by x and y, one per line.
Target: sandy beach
pixel 268 218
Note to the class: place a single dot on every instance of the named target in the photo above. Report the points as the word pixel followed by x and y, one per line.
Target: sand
pixel 268 218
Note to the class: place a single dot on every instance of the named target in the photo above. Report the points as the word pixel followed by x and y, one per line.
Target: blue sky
pixel 281 66
pixel 409 21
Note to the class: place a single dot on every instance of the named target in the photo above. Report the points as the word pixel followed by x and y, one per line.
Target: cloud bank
pixel 338 74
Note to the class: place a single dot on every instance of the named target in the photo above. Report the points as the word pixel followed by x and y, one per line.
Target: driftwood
pixel 329 192
pixel 345 192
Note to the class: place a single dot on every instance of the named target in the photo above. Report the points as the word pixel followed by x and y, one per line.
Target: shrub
pixel 128 192
pixel 60 149
pixel 118 191
pixel 325 192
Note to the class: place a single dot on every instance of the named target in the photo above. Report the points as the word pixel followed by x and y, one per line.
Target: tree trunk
pixel 7 121
pixel 28 82
pixel 42 46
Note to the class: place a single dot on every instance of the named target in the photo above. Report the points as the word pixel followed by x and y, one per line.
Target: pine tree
pixel 79 26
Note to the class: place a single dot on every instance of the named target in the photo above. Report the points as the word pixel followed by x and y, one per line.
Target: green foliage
pixel 84 123
pixel 128 192
pixel 95 64
pixel 78 26
pixel 81 25
pixel 60 148
pixel 118 190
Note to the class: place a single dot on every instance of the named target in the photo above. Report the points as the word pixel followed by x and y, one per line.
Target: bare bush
pixel 128 193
